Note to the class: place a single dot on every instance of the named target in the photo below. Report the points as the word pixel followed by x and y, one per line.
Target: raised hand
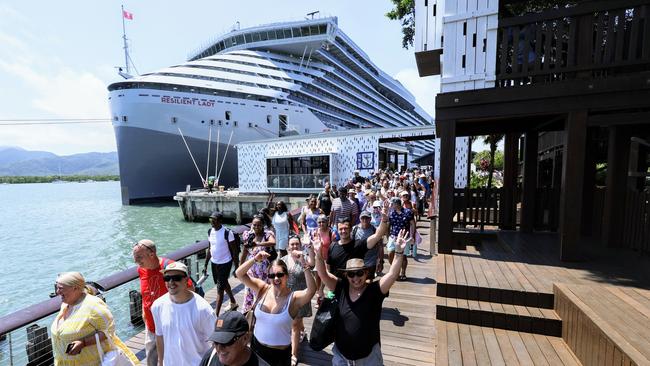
pixel 262 255
pixel 402 238
pixel 384 210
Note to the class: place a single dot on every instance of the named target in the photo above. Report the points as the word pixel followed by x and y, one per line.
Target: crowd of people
pixel 336 248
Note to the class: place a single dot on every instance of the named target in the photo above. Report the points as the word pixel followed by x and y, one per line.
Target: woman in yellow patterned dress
pixel 82 315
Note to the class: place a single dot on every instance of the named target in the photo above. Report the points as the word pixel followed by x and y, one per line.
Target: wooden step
pixel 466 344
pixel 496 315
pixel 499 295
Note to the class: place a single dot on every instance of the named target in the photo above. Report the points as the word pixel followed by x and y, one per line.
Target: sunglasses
pixel 353 274
pixel 278 275
pixel 175 278
pixel 143 245
pixel 230 343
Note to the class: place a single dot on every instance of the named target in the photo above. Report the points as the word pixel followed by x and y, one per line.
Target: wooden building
pixel 580 71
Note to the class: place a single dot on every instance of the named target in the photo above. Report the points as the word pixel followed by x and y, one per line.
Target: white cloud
pixel 50 90
pixel 424 89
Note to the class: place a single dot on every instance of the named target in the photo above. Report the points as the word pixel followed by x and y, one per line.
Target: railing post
pixel 135 307
pixel 39 346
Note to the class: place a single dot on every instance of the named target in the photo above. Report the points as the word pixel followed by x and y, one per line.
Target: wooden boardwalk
pixel 408 325
pixel 508 299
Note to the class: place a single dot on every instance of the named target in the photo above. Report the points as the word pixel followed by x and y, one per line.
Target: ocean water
pixel 46 229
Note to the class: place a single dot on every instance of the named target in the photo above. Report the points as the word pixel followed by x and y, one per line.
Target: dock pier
pixel 197 205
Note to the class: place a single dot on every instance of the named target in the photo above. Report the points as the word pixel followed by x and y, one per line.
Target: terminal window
pixel 298 172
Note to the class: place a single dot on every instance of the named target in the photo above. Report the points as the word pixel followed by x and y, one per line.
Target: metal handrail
pixel 45 308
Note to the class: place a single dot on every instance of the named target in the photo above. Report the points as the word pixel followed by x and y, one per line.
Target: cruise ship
pixel 263 82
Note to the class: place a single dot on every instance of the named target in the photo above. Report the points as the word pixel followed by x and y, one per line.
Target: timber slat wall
pixel 636 229
pixel 597 38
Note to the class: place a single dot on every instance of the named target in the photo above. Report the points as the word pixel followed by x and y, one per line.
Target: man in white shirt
pixel 221 256
pixel 184 320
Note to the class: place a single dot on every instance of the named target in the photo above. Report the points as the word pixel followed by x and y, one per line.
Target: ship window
pixel 322 28
pixel 268 118
pixel 125 119
pixel 116 118
pixel 211 122
pixel 304 31
pixel 240 39
pixel 296 32
pixel 220 123
pixel 264 36
pixel 256 37
pixel 313 30
pixel 250 124
pixel 174 120
pixel 228 114
pixel 279 33
pixel 271 34
pixel 287 33
pixel 248 37
pixel 234 123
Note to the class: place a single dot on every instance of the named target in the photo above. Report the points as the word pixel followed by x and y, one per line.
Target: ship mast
pixel 126 45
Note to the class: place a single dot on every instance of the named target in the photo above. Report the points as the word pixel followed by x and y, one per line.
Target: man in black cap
pixel 230 343
pixel 221 256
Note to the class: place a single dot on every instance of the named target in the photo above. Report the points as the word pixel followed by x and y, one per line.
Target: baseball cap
pixel 216 215
pixel 365 214
pixel 175 266
pixel 352 191
pixel 376 204
pixel 404 193
pixel 229 325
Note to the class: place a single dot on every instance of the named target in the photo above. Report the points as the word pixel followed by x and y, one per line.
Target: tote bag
pixel 323 329
pixel 115 357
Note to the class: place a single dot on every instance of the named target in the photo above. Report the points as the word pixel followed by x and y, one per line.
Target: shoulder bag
pixel 115 357
pixel 250 314
pixel 323 329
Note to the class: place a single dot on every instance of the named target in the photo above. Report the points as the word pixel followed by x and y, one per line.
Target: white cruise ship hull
pixel 252 84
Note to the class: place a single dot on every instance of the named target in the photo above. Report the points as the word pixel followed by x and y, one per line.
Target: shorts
pixel 373 359
pixel 220 274
pixel 390 247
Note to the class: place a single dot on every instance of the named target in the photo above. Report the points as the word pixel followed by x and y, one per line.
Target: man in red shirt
pixel 152 286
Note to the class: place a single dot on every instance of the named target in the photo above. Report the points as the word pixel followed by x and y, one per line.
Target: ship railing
pixel 25 337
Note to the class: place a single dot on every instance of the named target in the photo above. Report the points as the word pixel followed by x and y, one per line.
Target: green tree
pixel 493 141
pixel 404 10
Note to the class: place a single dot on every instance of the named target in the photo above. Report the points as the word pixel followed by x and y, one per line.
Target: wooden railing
pixel 636 224
pixel 591 40
pixel 478 206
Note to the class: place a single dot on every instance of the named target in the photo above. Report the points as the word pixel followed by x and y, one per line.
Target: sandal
pixel 401 278
pixel 294 361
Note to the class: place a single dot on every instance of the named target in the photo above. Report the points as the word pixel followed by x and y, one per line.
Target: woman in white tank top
pixel 276 309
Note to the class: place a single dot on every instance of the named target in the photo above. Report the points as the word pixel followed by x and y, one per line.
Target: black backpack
pixel 235 248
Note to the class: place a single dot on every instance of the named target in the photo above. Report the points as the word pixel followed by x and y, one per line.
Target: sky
pixel 58 57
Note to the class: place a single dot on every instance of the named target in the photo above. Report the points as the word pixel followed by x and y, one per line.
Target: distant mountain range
pixel 15 161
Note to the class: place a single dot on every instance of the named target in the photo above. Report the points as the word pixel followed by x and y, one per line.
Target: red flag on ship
pixel 127 15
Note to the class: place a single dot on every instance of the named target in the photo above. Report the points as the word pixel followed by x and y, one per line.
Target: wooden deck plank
pixel 520 349
pixel 533 349
pixel 492 345
pixel 467 346
pixel 441 344
pixel 480 347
